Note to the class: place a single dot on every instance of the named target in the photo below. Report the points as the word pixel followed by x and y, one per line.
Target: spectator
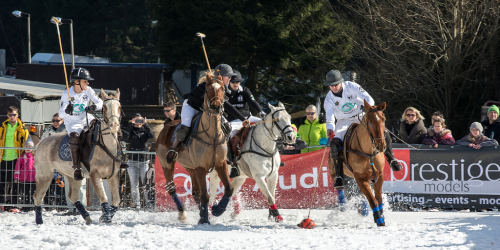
pixel 170 112
pixel 412 129
pixel 438 134
pixel 436 115
pixel 138 134
pixel 476 139
pixel 56 127
pixel 312 129
pixel 291 149
pixel 491 124
pixel 12 134
pixel 24 174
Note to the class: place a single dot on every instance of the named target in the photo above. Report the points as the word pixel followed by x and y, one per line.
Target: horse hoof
pixel 103 219
pixel 88 221
pixel 182 216
pixel 278 219
pixel 203 221
pixel 381 225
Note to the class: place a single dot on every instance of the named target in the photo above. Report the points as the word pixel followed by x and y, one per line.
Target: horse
pixel 364 159
pixel 103 165
pixel 260 158
pixel 207 152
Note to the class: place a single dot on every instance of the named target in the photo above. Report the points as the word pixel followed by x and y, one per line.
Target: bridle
pixel 105 111
pixel 373 139
pixel 275 123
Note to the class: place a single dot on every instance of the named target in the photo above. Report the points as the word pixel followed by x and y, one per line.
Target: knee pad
pixel 182 133
pixel 74 140
pixel 336 147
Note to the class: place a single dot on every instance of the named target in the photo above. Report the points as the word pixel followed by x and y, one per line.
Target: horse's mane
pixel 204 77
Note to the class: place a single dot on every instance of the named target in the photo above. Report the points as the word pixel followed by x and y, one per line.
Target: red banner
pixel 294 189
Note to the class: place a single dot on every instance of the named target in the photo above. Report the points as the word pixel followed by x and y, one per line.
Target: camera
pixel 139 121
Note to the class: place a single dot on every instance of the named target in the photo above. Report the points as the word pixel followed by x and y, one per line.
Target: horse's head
pixel 280 123
pixel 111 110
pixel 375 121
pixel 215 88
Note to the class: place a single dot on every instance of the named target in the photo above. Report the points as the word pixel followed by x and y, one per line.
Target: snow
pixel 252 230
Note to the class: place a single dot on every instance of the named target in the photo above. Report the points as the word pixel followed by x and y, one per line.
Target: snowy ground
pixel 252 230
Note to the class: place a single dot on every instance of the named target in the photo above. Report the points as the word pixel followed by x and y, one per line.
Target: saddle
pixel 347 144
pixel 239 139
pixel 194 128
pixel 87 137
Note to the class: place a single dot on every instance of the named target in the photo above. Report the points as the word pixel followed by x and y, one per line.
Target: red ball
pixel 307 224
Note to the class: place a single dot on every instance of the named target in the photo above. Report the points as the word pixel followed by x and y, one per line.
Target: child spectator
pixel 24 173
pixel 412 129
pixel 476 139
pixel 438 134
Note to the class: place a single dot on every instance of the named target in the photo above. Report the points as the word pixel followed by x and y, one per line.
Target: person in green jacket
pixel 312 130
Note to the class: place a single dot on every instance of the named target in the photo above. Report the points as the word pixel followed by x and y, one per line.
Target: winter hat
pixel 494 108
pixel 477 125
pixel 29 144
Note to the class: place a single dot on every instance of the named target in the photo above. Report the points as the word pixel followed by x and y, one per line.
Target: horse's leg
pixel 170 187
pixel 195 187
pixel 74 195
pixel 272 181
pixel 378 195
pixel 42 184
pixel 201 180
pixel 364 186
pixel 218 209
pixel 99 189
pixel 113 184
pixel 214 185
pixel 236 184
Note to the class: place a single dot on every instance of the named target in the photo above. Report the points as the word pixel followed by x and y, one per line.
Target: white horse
pixel 101 166
pixel 260 158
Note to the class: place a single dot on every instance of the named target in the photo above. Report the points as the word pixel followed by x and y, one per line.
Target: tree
pixel 434 55
pixel 285 49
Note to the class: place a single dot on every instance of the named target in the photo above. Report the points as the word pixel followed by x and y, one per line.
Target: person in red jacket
pixel 24 174
pixel 438 134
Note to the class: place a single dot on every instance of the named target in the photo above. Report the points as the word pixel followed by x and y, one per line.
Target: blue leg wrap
pixel 106 213
pixel 38 214
pixel 377 216
pixel 381 208
pixel 342 201
pixel 81 209
pixel 203 214
pixel 364 208
pixel 178 202
pixel 112 211
pixel 218 209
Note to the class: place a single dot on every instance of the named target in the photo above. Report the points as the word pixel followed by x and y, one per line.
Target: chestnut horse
pixel 207 152
pixel 363 152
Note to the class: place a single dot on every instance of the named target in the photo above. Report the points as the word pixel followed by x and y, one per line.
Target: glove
pixel 331 134
pixel 246 123
pixel 69 109
pixel 91 108
pixel 262 115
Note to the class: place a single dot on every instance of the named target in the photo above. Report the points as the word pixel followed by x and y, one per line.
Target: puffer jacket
pixel 479 140
pixel 25 171
pixel 20 136
pixel 416 134
pixel 312 133
pixel 444 137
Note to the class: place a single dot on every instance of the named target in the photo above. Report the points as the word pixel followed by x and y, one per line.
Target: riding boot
pixel 179 137
pixel 235 171
pixel 338 163
pixel 74 146
pixel 393 162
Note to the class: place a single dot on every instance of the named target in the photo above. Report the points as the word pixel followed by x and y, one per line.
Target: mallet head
pixel 56 20
pixel 200 35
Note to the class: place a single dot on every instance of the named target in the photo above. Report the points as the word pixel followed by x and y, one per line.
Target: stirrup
pixel 174 157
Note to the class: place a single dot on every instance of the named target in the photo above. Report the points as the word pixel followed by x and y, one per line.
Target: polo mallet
pixel 57 22
pixel 201 35
pixel 309 223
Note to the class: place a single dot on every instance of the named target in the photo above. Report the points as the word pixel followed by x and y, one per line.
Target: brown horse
pixel 365 161
pixel 207 152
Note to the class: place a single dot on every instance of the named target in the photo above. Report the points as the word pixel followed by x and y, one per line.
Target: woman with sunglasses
pixel 344 106
pixel 312 129
pixel 412 129
pixel 56 127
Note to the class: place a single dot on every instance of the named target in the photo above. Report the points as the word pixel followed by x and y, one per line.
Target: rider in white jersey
pixel 344 103
pixel 74 115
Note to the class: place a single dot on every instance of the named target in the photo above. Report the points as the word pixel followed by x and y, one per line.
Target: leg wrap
pixel 378 216
pixel 81 209
pixel 112 211
pixel 38 214
pixel 342 200
pixel 178 202
pixel 106 213
pixel 203 214
pixel 218 209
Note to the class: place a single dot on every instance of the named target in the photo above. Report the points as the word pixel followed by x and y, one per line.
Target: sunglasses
pixel 167 110
pixel 56 120
pixel 310 113
pixel 12 115
pixel 410 115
